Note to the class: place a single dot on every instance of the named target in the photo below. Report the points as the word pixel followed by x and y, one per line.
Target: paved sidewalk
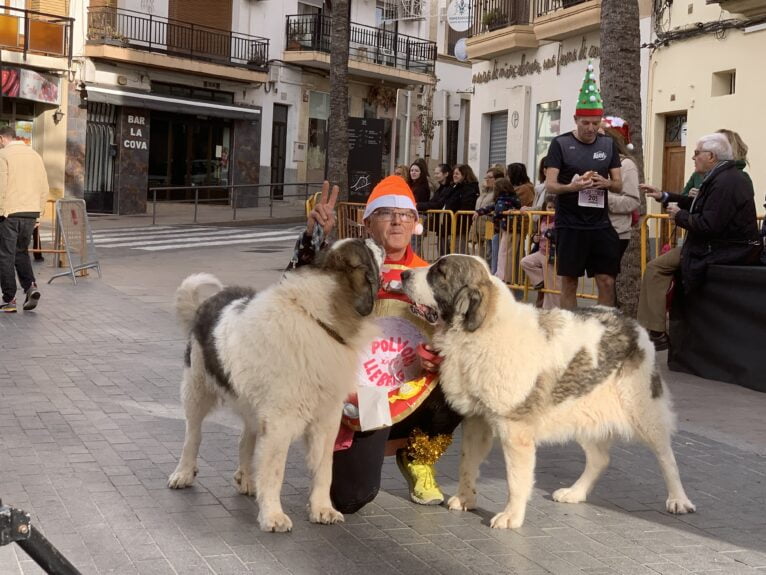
pixel 91 426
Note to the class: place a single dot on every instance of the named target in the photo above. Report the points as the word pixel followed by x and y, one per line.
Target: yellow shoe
pixel 421 480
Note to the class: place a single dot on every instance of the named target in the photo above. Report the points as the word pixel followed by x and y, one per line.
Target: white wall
pixel 557 83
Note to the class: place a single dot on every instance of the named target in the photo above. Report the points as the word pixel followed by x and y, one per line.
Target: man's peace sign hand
pixel 324 211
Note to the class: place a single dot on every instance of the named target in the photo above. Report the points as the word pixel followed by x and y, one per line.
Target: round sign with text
pixel 459 15
pixel 390 360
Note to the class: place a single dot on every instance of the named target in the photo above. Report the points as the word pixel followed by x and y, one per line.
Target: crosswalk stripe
pixel 131 242
pixel 140 229
pixel 99 238
pixel 219 243
pixel 159 235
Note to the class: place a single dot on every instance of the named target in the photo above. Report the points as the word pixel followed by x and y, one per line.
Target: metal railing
pixel 547 6
pixel 447 232
pixel 237 196
pixel 143 31
pixel 312 32
pixel 489 15
pixel 36 32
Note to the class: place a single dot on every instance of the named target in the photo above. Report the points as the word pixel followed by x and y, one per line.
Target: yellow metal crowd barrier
pixel 446 232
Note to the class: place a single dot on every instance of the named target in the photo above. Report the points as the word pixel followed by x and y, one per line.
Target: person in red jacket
pixel 399 408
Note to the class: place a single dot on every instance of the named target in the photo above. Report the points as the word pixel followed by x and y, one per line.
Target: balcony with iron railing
pixel 561 19
pixel 373 52
pixel 30 32
pixel 500 27
pixel 138 31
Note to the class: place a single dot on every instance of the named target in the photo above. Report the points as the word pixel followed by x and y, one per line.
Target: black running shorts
pixel 592 251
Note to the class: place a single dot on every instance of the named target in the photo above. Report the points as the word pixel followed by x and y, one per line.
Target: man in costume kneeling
pixel 399 407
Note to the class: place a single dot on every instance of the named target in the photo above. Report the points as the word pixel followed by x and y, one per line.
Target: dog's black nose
pixel 405 275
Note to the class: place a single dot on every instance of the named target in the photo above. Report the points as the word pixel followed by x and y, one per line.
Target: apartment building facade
pixel 529 59
pixel 35 58
pixel 206 93
pixel 706 74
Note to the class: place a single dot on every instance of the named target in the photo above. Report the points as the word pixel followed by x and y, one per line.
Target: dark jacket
pixel 437 201
pixel 463 196
pixel 721 224
pixel 421 190
pixel 502 204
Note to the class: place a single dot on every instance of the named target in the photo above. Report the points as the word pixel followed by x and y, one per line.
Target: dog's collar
pixel 331 332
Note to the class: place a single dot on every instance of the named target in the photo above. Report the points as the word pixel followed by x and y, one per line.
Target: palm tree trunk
pixel 337 148
pixel 621 91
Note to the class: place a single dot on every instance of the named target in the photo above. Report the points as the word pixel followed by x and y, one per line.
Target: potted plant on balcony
pixel 294 40
pixel 494 19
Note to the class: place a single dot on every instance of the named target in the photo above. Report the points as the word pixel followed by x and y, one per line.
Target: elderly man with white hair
pixel 721 229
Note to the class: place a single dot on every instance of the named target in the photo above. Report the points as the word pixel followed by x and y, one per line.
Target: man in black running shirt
pixel 582 168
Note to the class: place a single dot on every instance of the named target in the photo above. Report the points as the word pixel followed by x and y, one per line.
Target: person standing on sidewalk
pixel 583 168
pixel 23 192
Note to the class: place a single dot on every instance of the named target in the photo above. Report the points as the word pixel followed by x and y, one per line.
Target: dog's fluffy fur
pixel 529 376
pixel 284 360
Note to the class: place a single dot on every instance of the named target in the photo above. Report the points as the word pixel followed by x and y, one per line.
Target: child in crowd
pixel 506 199
pixel 539 265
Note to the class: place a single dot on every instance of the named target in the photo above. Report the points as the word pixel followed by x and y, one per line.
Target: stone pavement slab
pixel 91 426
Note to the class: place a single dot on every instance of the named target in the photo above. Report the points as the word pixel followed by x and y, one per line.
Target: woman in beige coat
pixel 622 205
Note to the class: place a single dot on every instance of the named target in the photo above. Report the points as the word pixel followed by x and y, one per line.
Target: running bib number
pixel 591 198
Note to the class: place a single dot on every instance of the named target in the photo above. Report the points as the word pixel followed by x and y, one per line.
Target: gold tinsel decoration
pixel 423 449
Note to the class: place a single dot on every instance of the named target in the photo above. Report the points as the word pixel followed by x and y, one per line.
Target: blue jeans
pixel 15 235
pixel 493 255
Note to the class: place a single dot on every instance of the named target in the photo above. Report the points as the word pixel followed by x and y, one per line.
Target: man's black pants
pixel 356 470
pixel 15 235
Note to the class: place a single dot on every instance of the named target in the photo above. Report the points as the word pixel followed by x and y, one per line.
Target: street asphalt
pixel 91 425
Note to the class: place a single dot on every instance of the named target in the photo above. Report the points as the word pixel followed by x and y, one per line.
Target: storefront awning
pixel 166 104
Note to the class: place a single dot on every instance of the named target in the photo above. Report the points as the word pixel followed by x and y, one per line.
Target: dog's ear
pixel 366 294
pixel 470 303
pixel 357 264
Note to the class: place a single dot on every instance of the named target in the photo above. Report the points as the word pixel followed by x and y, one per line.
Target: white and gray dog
pixel 529 376
pixel 284 360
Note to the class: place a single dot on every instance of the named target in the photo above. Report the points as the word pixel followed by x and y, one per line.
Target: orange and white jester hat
pixel 392 192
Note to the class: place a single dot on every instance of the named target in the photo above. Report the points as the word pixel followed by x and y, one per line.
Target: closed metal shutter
pixel 202 12
pixel 100 150
pixel 498 138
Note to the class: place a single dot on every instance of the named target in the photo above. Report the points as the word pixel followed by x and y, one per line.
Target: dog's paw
pixel 325 515
pixel 277 522
pixel 680 505
pixel 506 521
pixel 181 478
pixel 568 495
pixel 461 503
pixel 245 482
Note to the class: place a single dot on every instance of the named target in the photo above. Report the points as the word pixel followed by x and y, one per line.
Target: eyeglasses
pixel 387 215
pixel 698 152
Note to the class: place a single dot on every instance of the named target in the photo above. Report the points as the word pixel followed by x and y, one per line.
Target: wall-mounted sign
pixel 515 119
pixel 136 138
pixel 528 67
pixel 30 85
pixel 459 15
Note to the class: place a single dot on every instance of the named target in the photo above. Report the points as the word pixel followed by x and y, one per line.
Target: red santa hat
pixel 392 192
pixel 617 123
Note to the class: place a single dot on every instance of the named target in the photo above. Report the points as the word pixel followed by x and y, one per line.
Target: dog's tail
pixel 189 296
